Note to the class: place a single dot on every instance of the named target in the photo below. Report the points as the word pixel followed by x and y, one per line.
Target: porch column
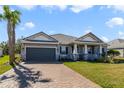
pixel 75 49
pixel 100 49
pixel 85 52
pixel 75 52
pixel 58 53
pixel 85 49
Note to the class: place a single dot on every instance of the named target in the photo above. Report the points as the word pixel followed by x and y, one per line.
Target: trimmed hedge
pixel 118 60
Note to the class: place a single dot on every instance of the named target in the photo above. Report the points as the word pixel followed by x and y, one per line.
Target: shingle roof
pixel 117 43
pixel 60 38
pixel 64 39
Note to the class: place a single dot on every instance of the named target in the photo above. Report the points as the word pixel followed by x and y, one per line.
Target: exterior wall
pixel 24 46
pixel 70 50
pixel 65 56
pixel 1 52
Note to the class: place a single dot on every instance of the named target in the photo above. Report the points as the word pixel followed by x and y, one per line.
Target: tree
pixel 4 46
pixel 12 18
pixel 113 52
pixel 18 46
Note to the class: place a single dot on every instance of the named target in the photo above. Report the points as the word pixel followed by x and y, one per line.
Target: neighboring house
pixel 117 44
pixel 43 47
pixel 1 52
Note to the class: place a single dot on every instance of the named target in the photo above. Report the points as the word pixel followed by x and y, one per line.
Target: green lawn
pixel 3 66
pixel 4 59
pixel 106 75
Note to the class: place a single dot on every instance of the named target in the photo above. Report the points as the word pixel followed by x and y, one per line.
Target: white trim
pixel 26 42
pixel 85 49
pixel 41 46
pixel 75 49
pixel 100 49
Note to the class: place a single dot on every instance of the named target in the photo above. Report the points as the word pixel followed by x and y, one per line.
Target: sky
pixel 106 22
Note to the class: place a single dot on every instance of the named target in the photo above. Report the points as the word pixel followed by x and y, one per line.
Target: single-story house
pixel 1 52
pixel 117 44
pixel 44 47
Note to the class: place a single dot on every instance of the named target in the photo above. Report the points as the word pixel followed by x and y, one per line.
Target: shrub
pixel 118 60
pixel 111 55
pixel 109 60
pixel 113 52
pixel 18 58
pixel 102 58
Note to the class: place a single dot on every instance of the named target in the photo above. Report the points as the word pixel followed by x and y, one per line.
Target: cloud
pixel 79 8
pixel 29 25
pixel 26 25
pixel 73 8
pixel 27 7
pixel 61 7
pixel 117 7
pixel 121 34
pixel 22 28
pixel 116 21
pixel 105 39
pixel 87 31
pixel 1 9
pixel 50 8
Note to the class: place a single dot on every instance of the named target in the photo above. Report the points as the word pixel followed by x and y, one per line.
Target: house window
pixel 64 50
pixel 89 50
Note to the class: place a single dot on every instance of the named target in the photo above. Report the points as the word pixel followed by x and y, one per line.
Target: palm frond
pixel 7 11
pixel 16 17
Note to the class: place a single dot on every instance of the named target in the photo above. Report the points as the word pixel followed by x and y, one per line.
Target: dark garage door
pixel 40 54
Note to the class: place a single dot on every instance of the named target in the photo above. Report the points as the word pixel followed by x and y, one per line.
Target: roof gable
pixel 117 43
pixel 89 38
pixel 41 36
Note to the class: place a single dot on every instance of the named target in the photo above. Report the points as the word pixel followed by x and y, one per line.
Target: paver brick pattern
pixel 44 76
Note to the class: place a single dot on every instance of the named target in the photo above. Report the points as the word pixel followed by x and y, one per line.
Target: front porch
pixel 83 52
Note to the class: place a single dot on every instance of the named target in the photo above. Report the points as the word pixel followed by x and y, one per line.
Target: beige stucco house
pixel 43 47
pixel 117 44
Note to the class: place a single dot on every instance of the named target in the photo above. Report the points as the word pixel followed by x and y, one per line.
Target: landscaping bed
pixel 105 74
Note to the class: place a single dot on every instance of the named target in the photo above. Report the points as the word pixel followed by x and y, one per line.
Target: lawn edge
pixel 83 76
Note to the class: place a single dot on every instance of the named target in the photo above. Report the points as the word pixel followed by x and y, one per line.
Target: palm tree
pixel 12 18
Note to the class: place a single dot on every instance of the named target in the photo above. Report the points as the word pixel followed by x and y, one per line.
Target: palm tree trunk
pixel 13 42
pixel 10 43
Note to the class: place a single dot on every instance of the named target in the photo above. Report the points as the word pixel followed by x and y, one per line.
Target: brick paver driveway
pixel 44 75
